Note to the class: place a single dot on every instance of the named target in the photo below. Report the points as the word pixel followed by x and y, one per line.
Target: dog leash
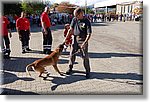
pixel 74 53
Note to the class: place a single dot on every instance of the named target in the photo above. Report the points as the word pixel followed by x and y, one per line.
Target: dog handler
pixel 47 36
pixel 81 28
pixel 23 29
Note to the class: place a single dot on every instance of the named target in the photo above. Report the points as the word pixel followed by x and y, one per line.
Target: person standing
pixel 5 37
pixel 47 36
pixel 23 29
pixel 81 29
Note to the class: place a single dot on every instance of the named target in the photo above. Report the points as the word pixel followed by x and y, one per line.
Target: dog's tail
pixel 29 66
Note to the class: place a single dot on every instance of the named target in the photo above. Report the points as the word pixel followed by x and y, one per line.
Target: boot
pixel 69 72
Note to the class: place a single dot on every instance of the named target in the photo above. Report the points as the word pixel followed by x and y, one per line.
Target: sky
pixel 77 2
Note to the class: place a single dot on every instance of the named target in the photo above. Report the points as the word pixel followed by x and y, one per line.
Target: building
pixel 120 6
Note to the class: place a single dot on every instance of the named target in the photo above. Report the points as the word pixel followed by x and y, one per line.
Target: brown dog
pixel 52 59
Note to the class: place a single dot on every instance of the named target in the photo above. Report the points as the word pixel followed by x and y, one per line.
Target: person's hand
pixel 20 37
pixel 82 46
pixel 29 34
pixel 10 35
pixel 45 32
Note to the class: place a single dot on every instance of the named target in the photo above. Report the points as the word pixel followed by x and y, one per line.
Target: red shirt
pixel 45 19
pixel 5 22
pixel 23 24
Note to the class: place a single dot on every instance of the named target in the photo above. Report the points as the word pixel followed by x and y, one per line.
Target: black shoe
pixel 87 75
pixel 28 49
pixel 23 51
pixel 44 51
pixel 69 72
pixel 6 56
pixel 49 51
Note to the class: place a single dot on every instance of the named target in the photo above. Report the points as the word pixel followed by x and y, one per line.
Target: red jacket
pixel 5 23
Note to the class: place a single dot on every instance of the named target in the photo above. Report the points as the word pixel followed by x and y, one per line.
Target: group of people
pixel 77 35
pixel 114 17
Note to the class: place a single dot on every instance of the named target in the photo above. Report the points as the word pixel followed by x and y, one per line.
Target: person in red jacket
pixel 23 29
pixel 47 35
pixel 5 37
pixel 69 38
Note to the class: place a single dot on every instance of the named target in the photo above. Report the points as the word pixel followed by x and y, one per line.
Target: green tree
pixel 35 7
pixel 26 7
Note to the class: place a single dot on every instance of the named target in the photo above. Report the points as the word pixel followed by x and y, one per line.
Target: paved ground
pixel 115 51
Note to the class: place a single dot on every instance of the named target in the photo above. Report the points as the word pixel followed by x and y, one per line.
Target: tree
pixel 54 6
pixel 26 7
pixel 65 7
pixel 31 8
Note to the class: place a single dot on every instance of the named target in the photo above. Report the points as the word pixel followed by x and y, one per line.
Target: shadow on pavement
pixel 18 64
pixel 6 91
pixel 105 55
pixel 36 52
pixel 109 55
pixel 99 24
pixel 7 78
pixel 35 28
pixel 133 78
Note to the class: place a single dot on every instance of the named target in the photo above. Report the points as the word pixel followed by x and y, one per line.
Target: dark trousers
pixel 5 42
pixel 84 53
pixel 47 40
pixel 6 45
pixel 24 39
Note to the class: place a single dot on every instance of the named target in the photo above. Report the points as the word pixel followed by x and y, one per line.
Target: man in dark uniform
pixel 5 38
pixel 47 36
pixel 81 29
pixel 23 29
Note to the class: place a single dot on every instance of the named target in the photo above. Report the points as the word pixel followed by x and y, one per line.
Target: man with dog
pixel 81 29
pixel 47 36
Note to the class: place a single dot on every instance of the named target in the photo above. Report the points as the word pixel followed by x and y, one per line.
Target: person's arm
pixel 8 27
pixel 43 24
pixel 10 35
pixel 29 28
pixel 44 27
pixel 17 25
pixel 17 28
